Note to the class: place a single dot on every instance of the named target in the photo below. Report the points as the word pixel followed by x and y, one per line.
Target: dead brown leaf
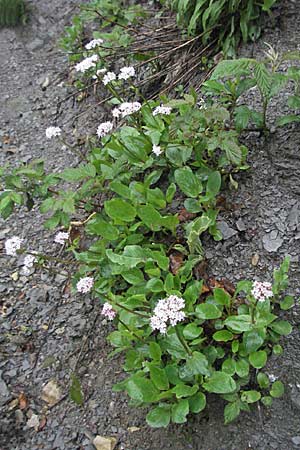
pixel 184 215
pixel 23 401
pixel 176 261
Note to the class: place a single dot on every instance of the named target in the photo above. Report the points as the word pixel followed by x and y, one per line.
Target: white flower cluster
pixel 109 77
pixel 99 72
pixel 52 132
pixel 94 43
pixel 85 284
pixel 87 63
pixel 167 309
pixel 104 128
pixel 108 311
pixel 126 72
pixel 125 109
pixel 12 245
pixel 156 150
pixel 262 290
pixel 61 238
pixel 28 263
pixel 166 110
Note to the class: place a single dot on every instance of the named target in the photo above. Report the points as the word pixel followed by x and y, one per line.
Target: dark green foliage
pixel 227 21
pixel 11 12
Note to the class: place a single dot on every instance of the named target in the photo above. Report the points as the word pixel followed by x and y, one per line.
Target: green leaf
pixel 159 378
pixel 178 154
pixel 267 400
pixel 213 185
pixel 277 389
pixel 155 351
pixel 258 359
pixel 188 182
pixel 286 120
pixel 142 389
pixel 239 323
pixel 287 302
pixel 79 173
pixel 155 285
pixel 277 350
pixel 208 311
pixel 197 364
pixel 120 210
pixel 263 78
pixel 253 340
pixel 220 383
pixel 133 276
pixel 222 297
pixel 233 152
pixel 231 412
pixel 183 390
pixel 170 192
pixel 281 327
pixel 197 402
pixel 263 380
pixel 75 391
pixel 228 366
pixel 250 396
pixel 99 227
pixel 159 417
pixel 242 368
pixel 173 346
pixel 231 68
pixel 180 410
pixel 150 217
pixel 294 101
pixel 192 331
pixel 222 336
pixel 129 259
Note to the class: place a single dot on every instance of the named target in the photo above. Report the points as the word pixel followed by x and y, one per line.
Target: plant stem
pixel 130 331
pixel 129 310
pixel 183 341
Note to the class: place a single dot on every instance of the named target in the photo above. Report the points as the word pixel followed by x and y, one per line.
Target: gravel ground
pixel 46 333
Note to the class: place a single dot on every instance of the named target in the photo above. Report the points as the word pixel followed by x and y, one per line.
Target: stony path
pixel 45 332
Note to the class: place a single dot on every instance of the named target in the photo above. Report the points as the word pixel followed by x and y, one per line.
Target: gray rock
pixel 36 44
pixel 241 225
pixel 226 231
pixel 4 392
pixel 296 440
pixel 295 397
pixel 272 242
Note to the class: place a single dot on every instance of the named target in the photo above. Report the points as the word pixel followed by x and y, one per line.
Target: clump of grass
pixel 11 12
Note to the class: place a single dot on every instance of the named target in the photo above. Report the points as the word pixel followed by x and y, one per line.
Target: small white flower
pixel 52 132
pixel 109 77
pixel 104 128
pixel 12 245
pixel 201 104
pixel 85 284
pixel 28 263
pixel 272 377
pixel 126 72
pixel 94 43
pixel 116 113
pixel 98 73
pixel 87 63
pixel 262 290
pixel 126 108
pixel 156 150
pixel 61 237
pixel 167 309
pixel 166 110
pixel 108 311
